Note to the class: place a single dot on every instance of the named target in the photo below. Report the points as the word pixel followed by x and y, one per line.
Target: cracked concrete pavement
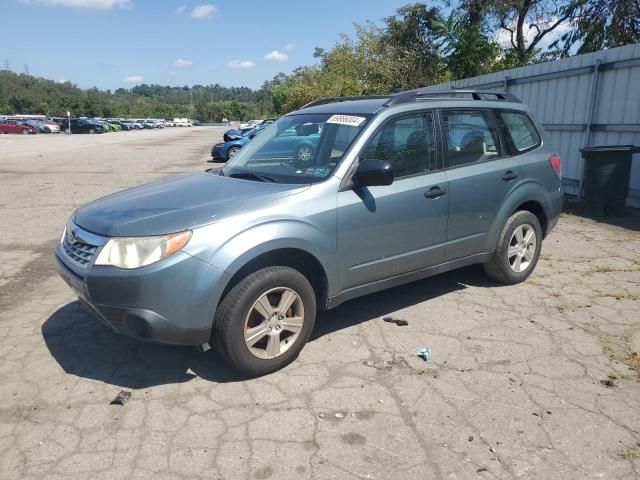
pixel 537 380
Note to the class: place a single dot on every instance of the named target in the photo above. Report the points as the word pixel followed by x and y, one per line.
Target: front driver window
pixel 407 142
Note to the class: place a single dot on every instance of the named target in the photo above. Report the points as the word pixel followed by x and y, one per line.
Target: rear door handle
pixel 509 175
pixel 435 192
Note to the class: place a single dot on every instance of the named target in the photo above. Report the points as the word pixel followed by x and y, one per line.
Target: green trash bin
pixel 605 178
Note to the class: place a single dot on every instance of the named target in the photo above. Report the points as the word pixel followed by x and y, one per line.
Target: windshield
pixel 297 148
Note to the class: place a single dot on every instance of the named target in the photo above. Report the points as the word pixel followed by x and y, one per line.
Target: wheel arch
pixel 530 196
pixel 296 258
pixel 538 210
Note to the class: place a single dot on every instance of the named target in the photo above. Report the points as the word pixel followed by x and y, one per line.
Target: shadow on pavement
pixel 84 347
pixel 629 219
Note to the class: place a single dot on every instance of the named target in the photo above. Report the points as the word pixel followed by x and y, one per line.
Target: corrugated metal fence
pixel 586 100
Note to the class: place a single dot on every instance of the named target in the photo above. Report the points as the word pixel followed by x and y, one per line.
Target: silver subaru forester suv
pixel 394 189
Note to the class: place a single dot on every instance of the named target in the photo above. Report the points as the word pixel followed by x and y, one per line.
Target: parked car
pixel 52 126
pixel 148 123
pixel 37 124
pixel 261 123
pixel 85 125
pixel 233 142
pixel 113 126
pixel 169 123
pixel 122 124
pixel 136 124
pixel 398 188
pixel 14 126
pixel 250 124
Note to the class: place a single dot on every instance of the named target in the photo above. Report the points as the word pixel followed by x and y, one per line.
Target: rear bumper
pixel 554 209
pixel 172 301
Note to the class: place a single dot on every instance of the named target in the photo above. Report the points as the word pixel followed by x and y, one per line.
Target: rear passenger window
pixel 407 142
pixel 521 130
pixel 470 137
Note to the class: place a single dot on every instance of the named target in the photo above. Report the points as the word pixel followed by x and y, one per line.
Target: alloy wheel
pixel 274 323
pixel 522 248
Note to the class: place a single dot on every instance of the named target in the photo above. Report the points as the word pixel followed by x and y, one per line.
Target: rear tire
pixel 264 321
pixel 518 249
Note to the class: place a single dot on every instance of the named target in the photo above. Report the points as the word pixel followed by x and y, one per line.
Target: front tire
pixel 264 321
pixel 232 152
pixel 518 249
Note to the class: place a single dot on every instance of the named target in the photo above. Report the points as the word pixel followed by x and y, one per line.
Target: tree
pixel 528 22
pixel 468 51
pixel 412 36
pixel 600 24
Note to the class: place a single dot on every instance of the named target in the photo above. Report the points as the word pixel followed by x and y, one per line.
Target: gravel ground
pixel 538 380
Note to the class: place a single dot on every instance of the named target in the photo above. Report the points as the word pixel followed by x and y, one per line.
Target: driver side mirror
pixel 371 173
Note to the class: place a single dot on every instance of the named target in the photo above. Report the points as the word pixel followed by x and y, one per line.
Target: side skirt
pixel 390 282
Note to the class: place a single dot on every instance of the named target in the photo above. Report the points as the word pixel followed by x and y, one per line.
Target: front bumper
pixel 172 301
pixel 219 152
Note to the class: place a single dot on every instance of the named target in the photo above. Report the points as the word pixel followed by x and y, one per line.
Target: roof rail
pixel 419 94
pixel 324 101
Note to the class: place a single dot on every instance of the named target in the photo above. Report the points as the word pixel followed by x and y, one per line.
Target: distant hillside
pixel 26 94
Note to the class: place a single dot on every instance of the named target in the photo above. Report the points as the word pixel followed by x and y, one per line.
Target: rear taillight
pixel 555 163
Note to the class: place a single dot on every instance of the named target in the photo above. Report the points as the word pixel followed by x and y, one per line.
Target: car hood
pixel 175 203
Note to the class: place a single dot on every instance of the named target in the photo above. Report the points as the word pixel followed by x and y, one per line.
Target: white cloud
pixel 204 11
pixel 277 56
pixel 90 4
pixel 182 63
pixel 241 64
pixel 289 46
pixel 180 10
pixel 172 73
pixel 133 79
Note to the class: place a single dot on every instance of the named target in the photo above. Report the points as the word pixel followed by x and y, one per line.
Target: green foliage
pixel 602 24
pixel 25 94
pixel 469 52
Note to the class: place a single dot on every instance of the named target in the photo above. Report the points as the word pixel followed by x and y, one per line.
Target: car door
pixel 481 173
pixel 385 231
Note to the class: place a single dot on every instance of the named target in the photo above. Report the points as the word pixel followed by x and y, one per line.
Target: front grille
pixel 80 252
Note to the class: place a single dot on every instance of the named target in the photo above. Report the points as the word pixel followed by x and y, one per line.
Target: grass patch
pixel 631 453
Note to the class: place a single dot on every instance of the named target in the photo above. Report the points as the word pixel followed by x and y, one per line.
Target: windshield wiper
pixel 252 176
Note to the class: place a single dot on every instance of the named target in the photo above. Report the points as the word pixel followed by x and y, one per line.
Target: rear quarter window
pixel 520 130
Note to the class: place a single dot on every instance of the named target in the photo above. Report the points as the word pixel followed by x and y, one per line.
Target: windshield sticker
pixel 349 120
pixel 310 171
pixel 322 172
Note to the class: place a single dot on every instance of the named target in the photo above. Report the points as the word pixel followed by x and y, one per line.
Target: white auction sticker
pixel 350 120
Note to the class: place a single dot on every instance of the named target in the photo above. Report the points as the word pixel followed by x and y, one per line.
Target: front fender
pixel 243 245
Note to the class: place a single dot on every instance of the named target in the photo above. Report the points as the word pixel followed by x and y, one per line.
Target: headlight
pixel 138 252
pixel 218 145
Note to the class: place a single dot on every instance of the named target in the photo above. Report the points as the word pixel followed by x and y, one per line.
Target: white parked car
pixel 250 124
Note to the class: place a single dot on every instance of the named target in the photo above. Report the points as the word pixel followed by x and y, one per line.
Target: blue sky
pixel 119 43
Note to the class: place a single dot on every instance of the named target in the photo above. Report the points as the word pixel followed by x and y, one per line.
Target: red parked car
pixel 12 126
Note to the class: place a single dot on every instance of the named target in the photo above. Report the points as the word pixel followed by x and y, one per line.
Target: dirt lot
pixel 537 380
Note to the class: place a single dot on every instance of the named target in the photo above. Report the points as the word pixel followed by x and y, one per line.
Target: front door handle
pixel 435 192
pixel 509 175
